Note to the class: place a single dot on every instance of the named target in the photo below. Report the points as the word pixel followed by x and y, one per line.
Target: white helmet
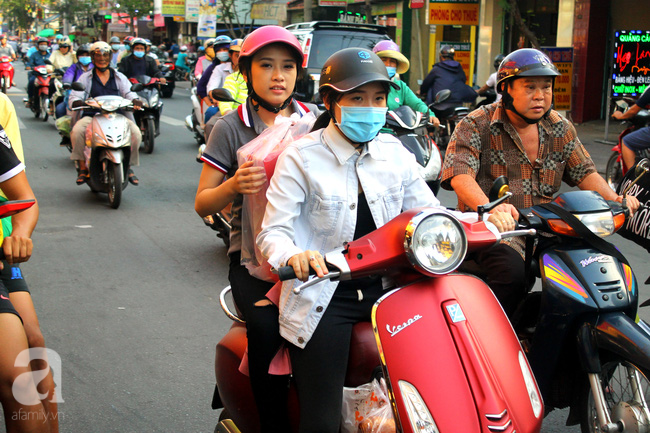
pixel 100 46
pixel 184 48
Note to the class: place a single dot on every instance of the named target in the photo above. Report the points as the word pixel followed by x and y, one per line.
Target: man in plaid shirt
pixel 535 147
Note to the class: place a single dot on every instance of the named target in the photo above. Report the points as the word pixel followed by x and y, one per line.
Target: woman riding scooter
pixel 270 60
pixel 334 185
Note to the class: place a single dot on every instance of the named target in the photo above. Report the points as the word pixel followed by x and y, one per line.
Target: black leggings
pixel 262 328
pixel 319 369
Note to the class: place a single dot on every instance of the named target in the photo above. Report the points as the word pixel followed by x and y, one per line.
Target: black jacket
pixel 448 74
pixel 126 66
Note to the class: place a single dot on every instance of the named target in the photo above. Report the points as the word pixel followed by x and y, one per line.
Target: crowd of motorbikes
pixel 577 343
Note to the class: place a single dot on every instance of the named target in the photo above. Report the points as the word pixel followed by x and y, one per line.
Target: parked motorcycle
pixel 450 358
pixel 615 169
pixel 148 119
pixel 108 144
pixel 410 127
pixel 40 102
pixel 581 334
pixel 6 70
pixel 449 114
pixel 167 69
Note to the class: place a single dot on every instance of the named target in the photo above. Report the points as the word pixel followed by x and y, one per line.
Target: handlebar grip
pixel 286 273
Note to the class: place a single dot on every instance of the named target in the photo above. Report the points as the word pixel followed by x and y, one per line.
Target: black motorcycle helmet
pixel 447 52
pixel 347 70
pixel 83 49
pixel 525 62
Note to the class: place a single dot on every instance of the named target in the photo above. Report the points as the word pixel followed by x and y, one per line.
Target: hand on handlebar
pixel 17 249
pixel 631 201
pixel 434 121
pixel 503 221
pixel 137 104
pixel 305 260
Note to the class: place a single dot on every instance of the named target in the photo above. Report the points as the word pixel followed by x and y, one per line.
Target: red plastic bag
pixel 264 151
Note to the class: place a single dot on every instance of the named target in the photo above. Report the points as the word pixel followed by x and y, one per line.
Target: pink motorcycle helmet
pixel 268 35
pixel 391 50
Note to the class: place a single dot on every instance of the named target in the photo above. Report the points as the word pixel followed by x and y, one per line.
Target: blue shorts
pixel 638 140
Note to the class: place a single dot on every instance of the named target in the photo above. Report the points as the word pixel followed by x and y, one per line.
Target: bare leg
pixel 18 416
pixel 22 302
pixel 629 156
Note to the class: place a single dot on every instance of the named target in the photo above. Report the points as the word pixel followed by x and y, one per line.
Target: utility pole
pixel 307 5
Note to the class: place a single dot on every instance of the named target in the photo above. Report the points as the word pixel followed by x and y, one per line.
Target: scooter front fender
pixel 116 156
pixel 449 337
pixel 617 333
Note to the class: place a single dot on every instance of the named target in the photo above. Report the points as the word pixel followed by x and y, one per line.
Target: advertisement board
pixel 562 58
pixel 454 13
pixel 631 68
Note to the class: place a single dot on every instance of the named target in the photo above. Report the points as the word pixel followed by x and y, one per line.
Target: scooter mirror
pixel 222 95
pixel 66 86
pixel 442 96
pixel 137 87
pixel 499 188
pixel 78 86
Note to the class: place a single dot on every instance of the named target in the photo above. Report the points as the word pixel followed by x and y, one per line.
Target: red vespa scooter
pixel 6 72
pixel 450 357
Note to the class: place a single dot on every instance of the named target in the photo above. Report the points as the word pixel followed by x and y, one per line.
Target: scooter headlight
pixel 419 415
pixel 154 100
pixel 435 242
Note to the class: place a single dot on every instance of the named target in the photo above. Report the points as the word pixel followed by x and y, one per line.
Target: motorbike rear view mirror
pixel 66 86
pixel 137 87
pixel 499 188
pixel 78 86
pixel 222 95
pixel 442 96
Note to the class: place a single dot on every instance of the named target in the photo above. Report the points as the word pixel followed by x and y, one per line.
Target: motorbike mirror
pixel 499 188
pixel 66 86
pixel 78 86
pixel 222 95
pixel 137 87
pixel 442 96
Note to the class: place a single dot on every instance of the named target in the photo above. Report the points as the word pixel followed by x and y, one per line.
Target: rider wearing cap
pixel 102 80
pixel 389 53
pixel 137 63
pixel 447 74
pixel 204 61
pixel 523 138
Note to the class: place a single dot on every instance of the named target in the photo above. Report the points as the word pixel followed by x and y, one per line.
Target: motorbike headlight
pixel 600 223
pixel 154 100
pixel 435 242
pixel 419 415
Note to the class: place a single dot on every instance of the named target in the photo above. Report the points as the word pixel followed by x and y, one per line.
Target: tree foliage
pixel 234 14
pixel 19 13
pixel 75 12
pixel 133 8
pixel 513 7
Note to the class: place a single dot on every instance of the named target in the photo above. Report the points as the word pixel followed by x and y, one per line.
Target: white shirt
pixel 219 74
pixel 492 82
pixel 312 201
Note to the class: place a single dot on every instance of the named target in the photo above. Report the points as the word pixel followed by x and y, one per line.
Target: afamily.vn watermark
pixel 23 415
pixel 24 388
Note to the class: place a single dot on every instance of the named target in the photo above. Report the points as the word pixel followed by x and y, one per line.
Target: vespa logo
pixel 394 330
pixel 597 259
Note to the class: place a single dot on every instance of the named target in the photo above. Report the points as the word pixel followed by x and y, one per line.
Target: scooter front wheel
pixel 626 391
pixel 4 85
pixel 613 171
pixel 45 108
pixel 115 177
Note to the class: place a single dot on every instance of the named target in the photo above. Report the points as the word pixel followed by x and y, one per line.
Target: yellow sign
pixel 454 14
pixel 269 11
pixel 562 58
pixel 173 7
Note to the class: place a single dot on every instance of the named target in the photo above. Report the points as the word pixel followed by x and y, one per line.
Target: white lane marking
pixel 171 121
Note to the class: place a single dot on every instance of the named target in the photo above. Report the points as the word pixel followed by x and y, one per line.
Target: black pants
pixel 319 369
pixel 505 273
pixel 264 340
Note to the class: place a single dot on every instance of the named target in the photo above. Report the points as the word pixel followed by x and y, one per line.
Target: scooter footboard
pixel 617 333
pixel 450 339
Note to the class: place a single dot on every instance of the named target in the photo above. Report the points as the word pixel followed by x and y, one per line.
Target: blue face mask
pixel 391 71
pixel 115 47
pixel 362 124
pixel 84 60
pixel 139 54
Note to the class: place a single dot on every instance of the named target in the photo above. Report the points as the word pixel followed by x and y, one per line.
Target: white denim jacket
pixel 312 202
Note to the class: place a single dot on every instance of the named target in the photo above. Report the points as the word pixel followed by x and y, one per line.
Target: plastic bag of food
pixel 367 409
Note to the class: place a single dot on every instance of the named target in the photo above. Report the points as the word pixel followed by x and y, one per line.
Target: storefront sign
pixel 631 70
pixel 454 13
pixel 207 27
pixel 173 7
pixel 192 11
pixel 337 3
pixel 269 11
pixel 416 4
pixel 562 58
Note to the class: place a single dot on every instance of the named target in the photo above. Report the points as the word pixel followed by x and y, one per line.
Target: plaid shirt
pixel 485 146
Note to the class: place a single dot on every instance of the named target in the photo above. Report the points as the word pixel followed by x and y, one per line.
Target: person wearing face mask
pixel 63 57
pixel 137 64
pixel 73 73
pixel 221 46
pixel 7 50
pixel 353 179
pixel 389 53
pixel 204 61
pixel 270 61
pixel 37 58
pixel 116 50
pixel 127 49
